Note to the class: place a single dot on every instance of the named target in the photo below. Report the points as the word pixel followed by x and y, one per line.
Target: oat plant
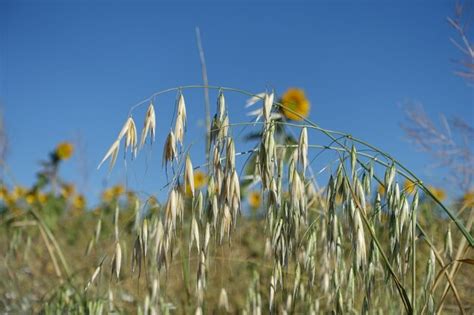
pixel 350 247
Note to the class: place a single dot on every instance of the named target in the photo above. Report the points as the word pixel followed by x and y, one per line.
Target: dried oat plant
pixel 340 249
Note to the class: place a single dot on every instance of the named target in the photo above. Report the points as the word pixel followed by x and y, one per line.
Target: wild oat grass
pixel 366 242
pixel 350 250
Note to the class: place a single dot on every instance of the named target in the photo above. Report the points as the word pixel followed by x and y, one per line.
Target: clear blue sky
pixel 71 70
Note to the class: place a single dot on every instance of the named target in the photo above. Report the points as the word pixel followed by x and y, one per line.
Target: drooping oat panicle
pixel 149 125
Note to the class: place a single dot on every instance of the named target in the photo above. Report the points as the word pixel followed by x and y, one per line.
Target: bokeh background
pixel 70 71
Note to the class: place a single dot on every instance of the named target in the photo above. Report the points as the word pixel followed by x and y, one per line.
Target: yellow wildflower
pixel 118 190
pixel 18 192
pixel 3 193
pixel 439 193
pixel 79 201
pixel 30 198
pixel 381 190
pixel 42 198
pixel 296 105
pixel 200 180
pixel 9 201
pixel 64 150
pixel 254 199
pixel 409 187
pixel 67 190
pixel 107 195
pixel 113 192
pixel 468 199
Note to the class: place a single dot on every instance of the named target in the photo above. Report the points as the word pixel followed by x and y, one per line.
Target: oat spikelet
pixel 117 260
pixel 132 138
pixel 182 107
pixel 94 276
pixel 169 150
pixel 230 155
pixel 130 131
pixel 254 99
pixel 194 236
pixel 221 107
pixel 303 149
pixel 112 153
pixel 267 106
pixel 180 119
pixel 223 300
pixel 189 175
pixel 145 236
pixel 149 125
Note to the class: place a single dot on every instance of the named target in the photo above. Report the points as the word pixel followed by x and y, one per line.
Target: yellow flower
pixel 200 179
pixel 67 190
pixel 42 198
pixel 296 105
pixel 409 187
pixel 468 199
pixel 381 190
pixel 112 193
pixel 438 193
pixel 107 195
pixel 3 193
pixel 254 199
pixel 79 201
pixel 30 198
pixel 18 192
pixel 118 190
pixel 64 150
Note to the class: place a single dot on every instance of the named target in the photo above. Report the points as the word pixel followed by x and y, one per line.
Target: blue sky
pixel 71 70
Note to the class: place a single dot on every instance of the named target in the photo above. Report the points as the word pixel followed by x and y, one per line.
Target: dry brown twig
pixel 450 144
pixel 461 22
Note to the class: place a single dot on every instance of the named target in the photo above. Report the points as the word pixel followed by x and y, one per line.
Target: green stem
pixel 53 240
